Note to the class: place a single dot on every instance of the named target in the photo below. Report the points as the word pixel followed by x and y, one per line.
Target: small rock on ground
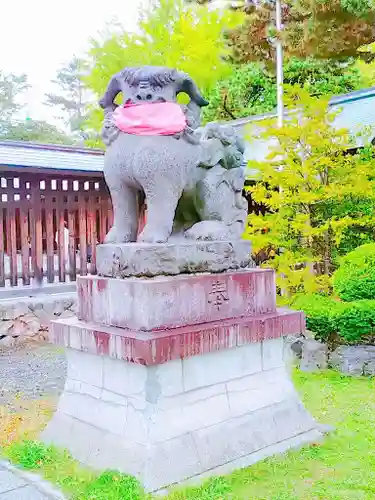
pixel 314 356
pixel 354 360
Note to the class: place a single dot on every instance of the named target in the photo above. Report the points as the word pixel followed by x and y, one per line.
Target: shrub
pixel 321 313
pixel 356 322
pixel 343 322
pixel 355 278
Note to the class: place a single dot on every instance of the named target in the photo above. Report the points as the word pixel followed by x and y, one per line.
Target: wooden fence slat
pixel 2 249
pixel 92 232
pixel 72 238
pixel 103 216
pixel 32 238
pixel 38 273
pixel 50 237
pixel 8 248
pixel 82 237
pixel 13 247
pixel 61 233
pixel 36 232
pixel 25 243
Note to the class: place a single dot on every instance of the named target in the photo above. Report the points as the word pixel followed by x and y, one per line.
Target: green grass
pixel 76 481
pixel 341 468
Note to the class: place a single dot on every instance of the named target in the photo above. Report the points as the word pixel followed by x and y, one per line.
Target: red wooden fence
pixel 38 209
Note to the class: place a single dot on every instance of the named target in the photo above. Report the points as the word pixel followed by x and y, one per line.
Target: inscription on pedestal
pixel 218 295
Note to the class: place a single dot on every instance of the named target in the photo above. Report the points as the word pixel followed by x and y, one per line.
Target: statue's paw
pixel 115 236
pixel 111 236
pixel 151 236
pixel 211 231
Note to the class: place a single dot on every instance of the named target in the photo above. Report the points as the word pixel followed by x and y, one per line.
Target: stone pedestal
pixel 178 377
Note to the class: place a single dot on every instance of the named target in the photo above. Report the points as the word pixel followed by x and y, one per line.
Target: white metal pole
pixel 279 82
pixel 279 66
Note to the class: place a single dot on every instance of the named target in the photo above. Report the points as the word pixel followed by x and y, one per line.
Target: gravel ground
pixel 30 372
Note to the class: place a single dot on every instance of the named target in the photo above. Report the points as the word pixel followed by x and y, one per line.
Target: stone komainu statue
pixel 192 180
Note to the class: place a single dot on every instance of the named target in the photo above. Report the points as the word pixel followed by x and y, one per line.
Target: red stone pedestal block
pixel 174 301
pixel 171 379
pixel 161 346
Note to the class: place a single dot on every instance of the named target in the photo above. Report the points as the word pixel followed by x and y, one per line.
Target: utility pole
pixel 279 66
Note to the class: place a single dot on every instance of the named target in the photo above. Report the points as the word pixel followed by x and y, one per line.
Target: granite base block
pixel 172 258
pixel 174 301
pixel 185 418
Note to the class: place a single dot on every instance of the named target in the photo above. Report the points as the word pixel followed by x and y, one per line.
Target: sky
pixel 38 36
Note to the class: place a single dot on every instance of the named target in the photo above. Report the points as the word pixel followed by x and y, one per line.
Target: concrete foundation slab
pixel 182 419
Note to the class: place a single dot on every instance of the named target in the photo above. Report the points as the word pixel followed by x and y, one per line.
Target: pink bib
pixel 159 118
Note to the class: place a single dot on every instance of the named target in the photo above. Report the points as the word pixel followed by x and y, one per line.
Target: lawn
pixel 342 467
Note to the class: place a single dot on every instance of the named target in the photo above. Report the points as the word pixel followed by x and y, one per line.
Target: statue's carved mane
pixel 158 76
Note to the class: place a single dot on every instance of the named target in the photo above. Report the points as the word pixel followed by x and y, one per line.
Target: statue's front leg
pixel 125 211
pixel 162 198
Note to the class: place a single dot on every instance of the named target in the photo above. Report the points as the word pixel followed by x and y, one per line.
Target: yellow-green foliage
pixel 303 182
pixel 170 33
pixel 367 69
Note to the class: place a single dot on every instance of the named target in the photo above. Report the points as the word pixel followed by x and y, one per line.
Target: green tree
pixel 251 89
pixel 367 68
pixel 34 131
pixel 11 88
pixel 303 183
pixel 321 28
pixel 169 33
pixel 12 127
pixel 71 98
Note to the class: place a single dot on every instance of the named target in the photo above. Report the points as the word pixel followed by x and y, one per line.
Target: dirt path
pixel 31 372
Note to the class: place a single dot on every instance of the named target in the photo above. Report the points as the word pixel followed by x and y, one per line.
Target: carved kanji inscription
pixel 218 295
